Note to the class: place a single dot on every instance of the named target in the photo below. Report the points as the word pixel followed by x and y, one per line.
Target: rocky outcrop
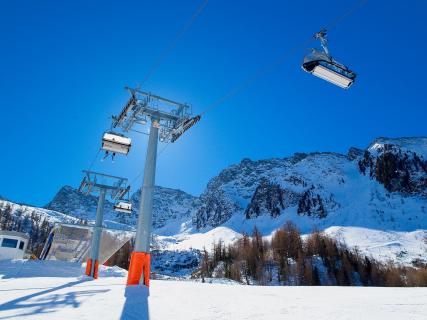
pixel 311 204
pixel 168 205
pixel 214 209
pixel 269 198
pixel 398 168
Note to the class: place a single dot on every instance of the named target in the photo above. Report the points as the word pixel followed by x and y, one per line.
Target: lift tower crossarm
pixel 172 118
pixel 148 94
pixel 91 179
pixel 145 104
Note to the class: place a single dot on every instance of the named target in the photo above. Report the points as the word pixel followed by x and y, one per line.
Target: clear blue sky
pixel 63 66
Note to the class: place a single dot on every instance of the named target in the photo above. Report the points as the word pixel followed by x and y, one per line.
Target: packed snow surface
pixel 56 290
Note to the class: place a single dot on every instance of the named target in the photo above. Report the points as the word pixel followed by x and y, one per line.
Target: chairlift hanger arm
pixel 322 36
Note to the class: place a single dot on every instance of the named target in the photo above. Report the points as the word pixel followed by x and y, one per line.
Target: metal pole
pixel 139 269
pixel 97 231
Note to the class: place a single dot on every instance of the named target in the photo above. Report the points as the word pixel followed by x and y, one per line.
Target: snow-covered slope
pixel 407 248
pixel 47 290
pixel 21 217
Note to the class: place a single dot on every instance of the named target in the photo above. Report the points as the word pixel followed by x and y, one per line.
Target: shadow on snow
pixel 46 301
pixel 136 304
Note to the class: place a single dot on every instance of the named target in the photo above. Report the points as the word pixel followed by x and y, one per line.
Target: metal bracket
pixel 321 35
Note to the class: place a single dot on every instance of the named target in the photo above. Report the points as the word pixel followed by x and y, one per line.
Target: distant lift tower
pixel 168 121
pixel 101 184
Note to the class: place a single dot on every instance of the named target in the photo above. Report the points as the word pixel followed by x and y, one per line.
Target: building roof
pixel 14 234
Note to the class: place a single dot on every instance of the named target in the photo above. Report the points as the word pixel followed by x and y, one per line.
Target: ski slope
pixel 55 290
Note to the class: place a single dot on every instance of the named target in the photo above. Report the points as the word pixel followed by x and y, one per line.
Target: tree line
pixel 288 258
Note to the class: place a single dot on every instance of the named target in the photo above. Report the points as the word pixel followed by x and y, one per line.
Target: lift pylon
pixel 167 120
pixel 101 184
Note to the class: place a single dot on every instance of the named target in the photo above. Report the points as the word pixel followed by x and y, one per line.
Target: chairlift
pixel 123 206
pixel 115 143
pixel 322 65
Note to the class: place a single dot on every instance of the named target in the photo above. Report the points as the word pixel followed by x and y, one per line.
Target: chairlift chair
pixel 115 143
pixel 322 65
pixel 123 206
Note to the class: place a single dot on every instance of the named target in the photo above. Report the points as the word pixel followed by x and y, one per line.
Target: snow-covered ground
pixel 384 246
pixel 56 290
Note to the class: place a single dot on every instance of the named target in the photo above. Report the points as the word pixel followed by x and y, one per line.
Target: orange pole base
pixel 139 264
pixel 89 267
pixel 95 270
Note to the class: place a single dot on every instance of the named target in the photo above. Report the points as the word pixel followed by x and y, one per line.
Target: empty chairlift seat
pixel 116 143
pixel 123 206
pixel 322 65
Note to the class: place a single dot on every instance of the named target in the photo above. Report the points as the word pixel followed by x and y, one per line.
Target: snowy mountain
pixel 379 193
pixel 170 206
pixel 383 187
pixel 375 198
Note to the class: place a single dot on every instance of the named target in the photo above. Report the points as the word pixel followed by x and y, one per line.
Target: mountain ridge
pixel 380 189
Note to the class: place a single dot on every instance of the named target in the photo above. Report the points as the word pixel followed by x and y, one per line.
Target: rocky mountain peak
pixel 400 164
pixel 355 153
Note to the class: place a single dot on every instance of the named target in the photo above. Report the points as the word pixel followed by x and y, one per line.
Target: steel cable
pixel 267 68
